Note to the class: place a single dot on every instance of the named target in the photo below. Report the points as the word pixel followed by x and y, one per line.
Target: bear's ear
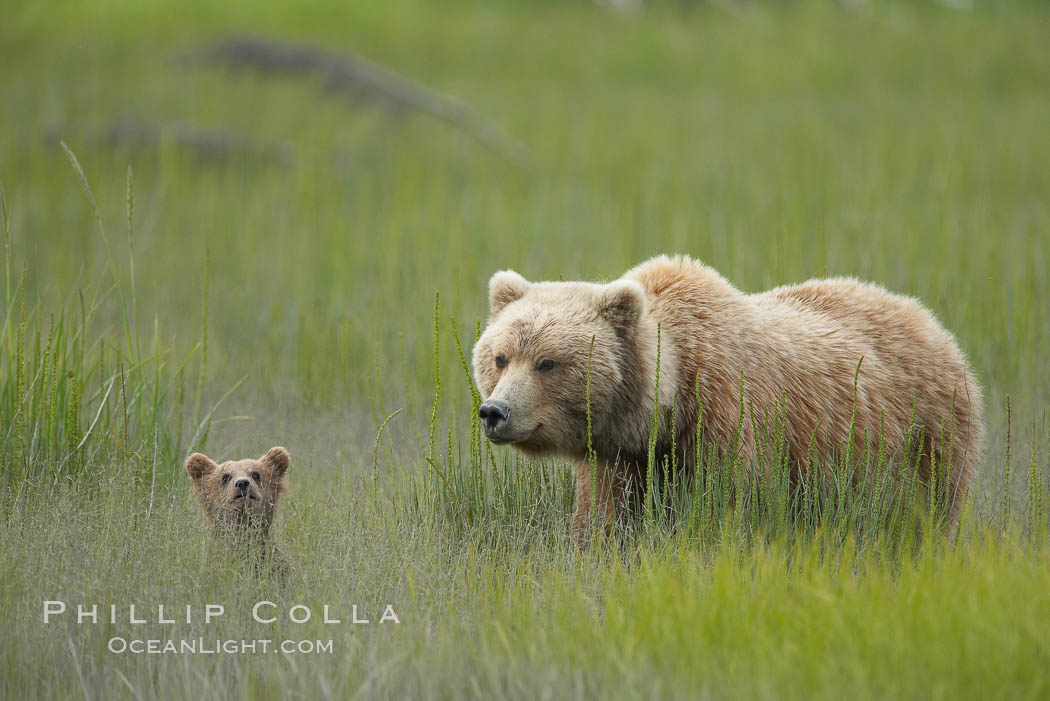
pixel 505 287
pixel 622 304
pixel 199 465
pixel 278 460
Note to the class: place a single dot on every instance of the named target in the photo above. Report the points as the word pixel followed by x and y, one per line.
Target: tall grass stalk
pixel 74 396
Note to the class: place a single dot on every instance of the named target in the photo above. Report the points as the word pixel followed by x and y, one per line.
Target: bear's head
pixel 531 363
pixel 240 497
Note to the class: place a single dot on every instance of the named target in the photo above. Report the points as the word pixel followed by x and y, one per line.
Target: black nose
pixel 242 485
pixel 493 413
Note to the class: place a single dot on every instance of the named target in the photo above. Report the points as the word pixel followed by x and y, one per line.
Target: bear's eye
pixel 501 361
pixel 225 477
pixel 256 476
pixel 545 364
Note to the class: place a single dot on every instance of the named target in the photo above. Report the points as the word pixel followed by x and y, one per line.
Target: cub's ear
pixel 278 459
pixel 622 304
pixel 199 465
pixel 505 287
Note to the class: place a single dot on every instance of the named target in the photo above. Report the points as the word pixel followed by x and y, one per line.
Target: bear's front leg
pixel 595 493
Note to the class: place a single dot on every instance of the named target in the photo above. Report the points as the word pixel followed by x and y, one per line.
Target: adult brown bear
pixel 797 348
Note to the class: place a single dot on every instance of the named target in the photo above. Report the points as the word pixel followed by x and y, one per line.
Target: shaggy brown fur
pixel 796 346
pixel 239 498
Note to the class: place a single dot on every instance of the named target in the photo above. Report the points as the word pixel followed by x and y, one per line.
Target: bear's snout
pixel 494 416
pixel 242 486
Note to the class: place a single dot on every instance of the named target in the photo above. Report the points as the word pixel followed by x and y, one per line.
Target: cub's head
pixel 240 496
pixel 531 363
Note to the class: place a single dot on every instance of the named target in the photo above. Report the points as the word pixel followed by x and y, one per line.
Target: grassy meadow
pixel 197 256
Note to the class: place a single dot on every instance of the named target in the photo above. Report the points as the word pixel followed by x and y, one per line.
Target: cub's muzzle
pixel 242 489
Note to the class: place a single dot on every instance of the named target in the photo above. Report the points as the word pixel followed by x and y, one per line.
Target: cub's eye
pixel 545 364
pixel 225 477
pixel 256 476
pixel 501 361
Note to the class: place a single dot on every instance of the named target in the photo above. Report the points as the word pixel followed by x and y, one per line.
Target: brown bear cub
pixel 239 499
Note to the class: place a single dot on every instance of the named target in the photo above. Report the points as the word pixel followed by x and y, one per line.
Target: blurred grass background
pixel 304 235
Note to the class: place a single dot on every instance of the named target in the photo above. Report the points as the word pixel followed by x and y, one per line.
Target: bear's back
pixel 894 322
